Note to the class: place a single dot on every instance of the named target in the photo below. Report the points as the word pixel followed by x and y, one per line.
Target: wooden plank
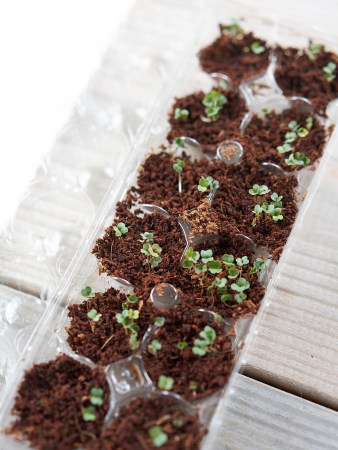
pixel 256 416
pixel 295 344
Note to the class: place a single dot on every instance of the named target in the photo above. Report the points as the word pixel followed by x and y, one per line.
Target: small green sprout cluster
pixel 329 71
pixel 159 321
pixel 181 113
pixel 233 27
pixel 178 167
pixel 204 345
pixel 203 263
pixel 127 319
pixel 296 158
pixel 257 48
pixel 120 229
pixel 179 142
pixel 151 250
pixel 94 315
pixel 313 50
pixel 154 346
pixel 87 292
pixel 272 208
pixel 165 382
pixel 214 102
pixel 157 435
pixel 208 183
pixel 95 399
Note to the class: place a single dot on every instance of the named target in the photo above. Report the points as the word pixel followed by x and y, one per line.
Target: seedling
pixel 190 258
pixel 120 229
pixel 329 71
pixel 94 315
pixel 87 292
pixel 272 209
pixel 179 142
pixel 233 28
pixel 181 113
pixel 221 285
pixel 127 319
pixel 193 385
pixel 204 345
pixel 242 261
pixel 259 189
pixel 178 423
pixel 154 346
pixel 258 265
pixel 208 183
pixel 159 321
pixel 297 159
pixel 313 50
pixel 240 286
pixel 182 345
pixel 152 251
pixel 213 103
pixel 257 48
pixel 165 382
pixel 89 414
pixel 132 298
pixel 96 396
pixel 158 436
pixel 178 167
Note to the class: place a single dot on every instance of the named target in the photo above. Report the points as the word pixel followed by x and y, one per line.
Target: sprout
pixel 96 396
pixel 89 414
pixel 179 142
pixel 215 266
pixel 259 189
pixel 190 258
pixel 178 423
pixel 178 167
pixel 181 113
pixel 204 345
pixel 152 252
pixel 297 159
pixel 313 50
pixel 127 319
pixel 193 385
pixel 182 345
pixel 259 264
pixel 165 382
pixel 208 182
pixel 206 256
pixel 158 436
pixel 154 346
pixel 241 285
pixel 120 229
pixel 290 136
pixel 94 315
pixel 132 298
pixel 228 261
pixel 213 103
pixel 285 148
pixel 329 70
pixel 272 209
pixel 257 48
pixel 148 237
pixel 159 321
pixel 87 292
pixel 309 122
pixel 233 28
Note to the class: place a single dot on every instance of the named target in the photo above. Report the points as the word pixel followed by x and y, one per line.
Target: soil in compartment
pixel 175 366
pixel 160 425
pixel 300 72
pixel 103 339
pixel 239 56
pixel 208 134
pixel 269 135
pixel 53 406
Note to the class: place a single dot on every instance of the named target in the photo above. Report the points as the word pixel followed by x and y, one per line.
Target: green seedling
pixel 190 258
pixel 258 265
pixel 182 345
pixel 329 71
pixel 120 229
pixel 132 298
pixel 159 321
pixel 272 209
pixel 87 292
pixel 213 103
pixel 297 159
pixel 257 48
pixel 178 423
pixel 242 261
pixel 239 287
pixel 259 189
pixel 179 142
pixel 96 396
pixel 94 315
pixel 233 27
pixel 204 345
pixel 290 137
pixel 152 252
pixel 157 435
pixel 154 346
pixel 181 113
pixel 89 414
pixel 127 319
pixel 208 183
pixel 178 167
pixel 165 382
pixel 313 50
pixel 147 237
pixel 193 385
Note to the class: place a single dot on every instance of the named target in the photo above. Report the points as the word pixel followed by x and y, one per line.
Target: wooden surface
pixel 258 417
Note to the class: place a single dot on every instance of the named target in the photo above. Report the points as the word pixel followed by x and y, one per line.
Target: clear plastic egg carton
pixel 128 378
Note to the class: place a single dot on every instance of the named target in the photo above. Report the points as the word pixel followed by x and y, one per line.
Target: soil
pixel 265 134
pixel 105 341
pixel 232 56
pixel 296 74
pixel 49 405
pixel 208 134
pixel 183 365
pixel 130 431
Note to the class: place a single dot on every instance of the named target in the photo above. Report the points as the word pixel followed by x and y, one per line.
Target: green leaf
pixel 89 414
pixel 159 321
pixel 132 298
pixel 206 256
pixel 200 268
pixel 93 315
pixel 302 132
pixel 120 229
pixel 87 292
pixel 257 48
pixel 215 266
pixel 242 261
pixel 259 189
pixel 157 435
pixel 199 351
pixel 179 142
pixel 191 255
pixel 226 298
pixel 179 165
pixel 181 113
pixel 233 273
pixel 193 385
pixel 182 345
pixel 241 285
pixel 233 28
pixel 165 382
pixel 154 346
pixel 240 297
pixel 209 334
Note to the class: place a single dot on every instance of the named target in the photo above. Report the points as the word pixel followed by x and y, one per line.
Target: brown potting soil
pixel 49 405
pixel 232 56
pixel 297 74
pixel 208 134
pixel 105 341
pixel 265 134
pixel 209 373
pixel 130 430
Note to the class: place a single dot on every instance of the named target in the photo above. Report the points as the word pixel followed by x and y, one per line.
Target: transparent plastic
pixel 48 338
